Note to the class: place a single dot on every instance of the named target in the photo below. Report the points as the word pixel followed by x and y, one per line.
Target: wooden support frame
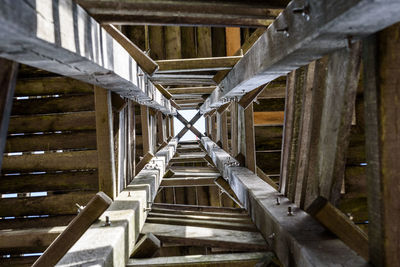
pixel 197 64
pixel 293 41
pixel 286 234
pixel 58 44
pixel 113 244
pixel 8 80
pixel 105 142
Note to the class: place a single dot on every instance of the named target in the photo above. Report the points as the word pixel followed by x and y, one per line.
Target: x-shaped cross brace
pixel 188 125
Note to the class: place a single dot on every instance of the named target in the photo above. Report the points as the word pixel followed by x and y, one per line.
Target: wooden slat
pixel 36 222
pixel 192 181
pixel 23 261
pixel 8 78
pixel 143 60
pixel 191 235
pixel 53 105
pixel 146 159
pixel 215 260
pixel 74 121
pixel 51 86
pixel 192 90
pixel 249 97
pixel 75 229
pixel 204 46
pixel 266 178
pixel 225 188
pixel 250 140
pixel 266 118
pixel 201 216
pixel 77 180
pixel 381 74
pixel 197 64
pixel 232 36
pixel 44 142
pixel 49 205
pixel 269 104
pixel 197 208
pixel 74 160
pixel 172 44
pixel 144 115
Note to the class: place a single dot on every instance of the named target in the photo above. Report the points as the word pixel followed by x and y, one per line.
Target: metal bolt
pixel 80 208
pixel 284 31
pixel 304 11
pixel 271 236
pixel 289 211
pixel 278 202
pixel 107 223
pixel 140 74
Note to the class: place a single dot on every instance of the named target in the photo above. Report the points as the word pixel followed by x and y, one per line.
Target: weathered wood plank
pixel 204 90
pixel 92 211
pixel 76 180
pixel 197 64
pixel 266 118
pixel 193 235
pixel 250 140
pixel 197 208
pixel 36 222
pixel 75 121
pixel 63 204
pixel 381 74
pixel 53 105
pixel 192 181
pixel 8 78
pixel 73 160
pixel 146 247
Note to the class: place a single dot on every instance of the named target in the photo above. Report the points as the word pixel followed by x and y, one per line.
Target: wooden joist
pixel 62 203
pixel 194 235
pixel 146 247
pixel 293 41
pixel 73 180
pixel 197 64
pixel 88 215
pixel 200 216
pixel 268 118
pixel 75 121
pixel 156 12
pixel 215 260
pixel 190 181
pixel 60 46
pixel 73 160
pixel 204 90
pixel 36 222
pixel 197 208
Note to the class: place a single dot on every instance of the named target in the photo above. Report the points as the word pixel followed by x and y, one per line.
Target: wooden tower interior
pixel 293 108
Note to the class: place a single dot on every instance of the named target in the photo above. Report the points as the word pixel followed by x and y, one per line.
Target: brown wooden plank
pixel 197 64
pixel 51 86
pixel 73 160
pixel 156 38
pixel 224 131
pixel 250 140
pixel 268 118
pixel 232 35
pixel 146 247
pixel 144 115
pixel 76 180
pixel 204 47
pixel 192 90
pixel 74 103
pixel 36 222
pixel 198 208
pixel 76 228
pixel 190 181
pixel 269 104
pixel 63 204
pixel 172 43
pixel 74 121
pixel 45 142
pixel 381 73
pixel 146 159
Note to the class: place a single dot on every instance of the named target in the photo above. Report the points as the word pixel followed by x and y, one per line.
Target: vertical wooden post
pixel 172 129
pixel 234 129
pixel 381 60
pixel 132 140
pixel 160 129
pixel 8 79
pixel 224 131
pixel 232 40
pixel 144 115
pixel 105 142
pixel 214 127
pixel 204 47
pixel 250 139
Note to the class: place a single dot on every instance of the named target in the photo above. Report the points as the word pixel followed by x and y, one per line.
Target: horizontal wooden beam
pixel 113 244
pixel 230 13
pixel 192 181
pixel 287 234
pixel 215 260
pixel 192 90
pixel 52 37
pixel 195 208
pixel 268 118
pixel 197 64
pixel 294 40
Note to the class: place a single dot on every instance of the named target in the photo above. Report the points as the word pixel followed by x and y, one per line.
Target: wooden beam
pixel 248 98
pixel 198 208
pixel 290 240
pixel 195 235
pixel 192 181
pixel 144 116
pixel 92 211
pixel 381 72
pixel 293 41
pixel 249 137
pixel 232 35
pixel 127 215
pixel 146 159
pixel 215 260
pixel 224 186
pixel 204 90
pixel 155 12
pixel 105 142
pixel 269 118
pixel 143 60
pixel 8 78
pixel 60 47
pixel 197 64
pixel 339 224
pixel 224 131
pixel 266 178
pixel 146 247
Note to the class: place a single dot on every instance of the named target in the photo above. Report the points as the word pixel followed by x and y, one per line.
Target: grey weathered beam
pixel 112 245
pixel 297 240
pixel 182 12
pixel 293 41
pixel 60 37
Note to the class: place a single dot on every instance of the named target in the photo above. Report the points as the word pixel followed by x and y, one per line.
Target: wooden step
pixel 45 142
pixel 73 121
pixel 63 204
pixel 51 86
pixel 53 105
pixel 73 160
pixel 77 180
